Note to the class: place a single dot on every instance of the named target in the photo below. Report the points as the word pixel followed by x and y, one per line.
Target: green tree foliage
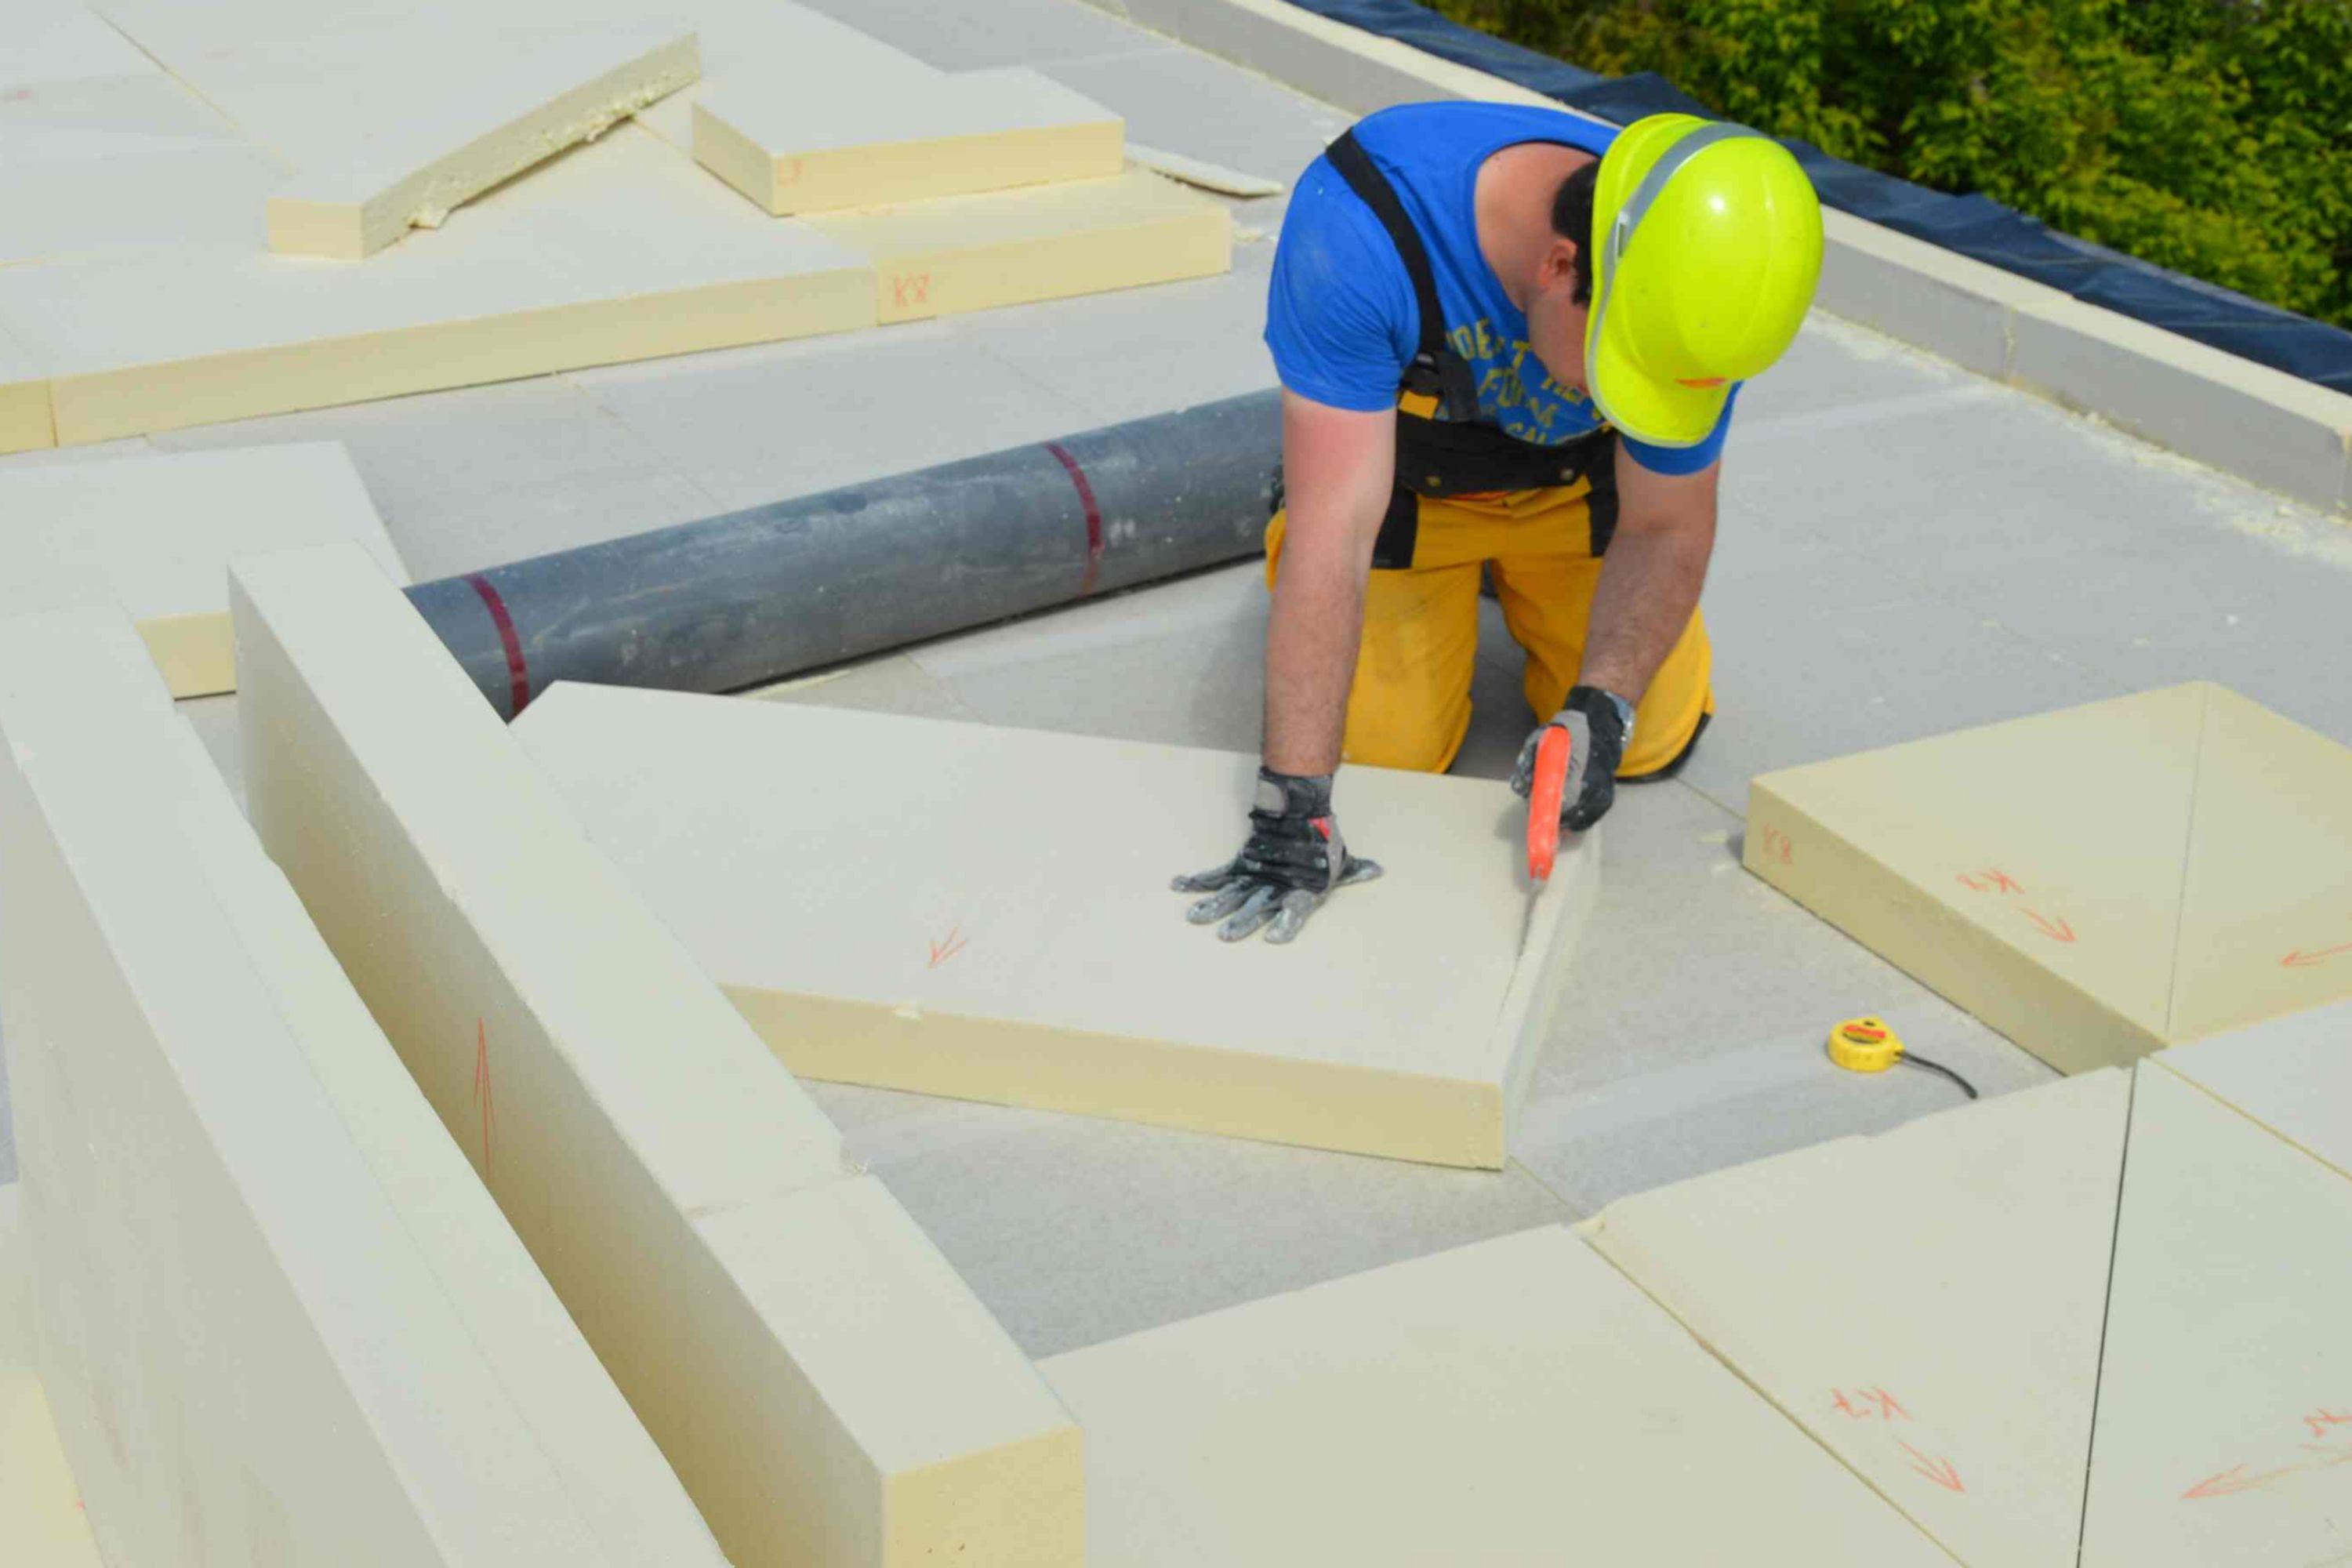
pixel 2213 137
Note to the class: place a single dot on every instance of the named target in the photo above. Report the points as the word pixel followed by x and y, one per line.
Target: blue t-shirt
pixel 1340 316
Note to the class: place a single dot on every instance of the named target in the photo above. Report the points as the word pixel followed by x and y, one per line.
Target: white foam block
pixel 1511 1403
pixel 470 128
pixel 1928 1303
pixel 2225 1393
pixel 621 250
pixel 648 1150
pixel 155 535
pixel 933 939
pixel 278 1317
pixel 795 143
pixel 2294 1075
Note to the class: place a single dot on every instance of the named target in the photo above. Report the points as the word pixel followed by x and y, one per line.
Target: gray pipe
pixel 757 596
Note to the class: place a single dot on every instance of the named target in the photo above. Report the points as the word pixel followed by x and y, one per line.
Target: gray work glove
pixel 1598 723
pixel 1293 859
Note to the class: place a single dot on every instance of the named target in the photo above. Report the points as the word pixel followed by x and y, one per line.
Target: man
pixel 1509 340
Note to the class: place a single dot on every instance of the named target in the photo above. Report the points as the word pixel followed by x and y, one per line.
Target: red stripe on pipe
pixel 517 677
pixel 1094 515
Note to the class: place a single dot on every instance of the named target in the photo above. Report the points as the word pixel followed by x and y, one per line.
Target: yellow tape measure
pixel 1864 1045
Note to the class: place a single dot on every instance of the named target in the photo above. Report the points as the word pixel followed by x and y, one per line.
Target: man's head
pixel 1561 291
pixel 1682 262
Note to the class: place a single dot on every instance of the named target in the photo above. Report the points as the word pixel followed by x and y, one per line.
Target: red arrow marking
pixel 2299 958
pixel 943 952
pixel 1938 1470
pixel 2232 1480
pixel 2056 931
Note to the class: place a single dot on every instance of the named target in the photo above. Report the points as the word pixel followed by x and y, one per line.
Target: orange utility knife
pixel 1553 754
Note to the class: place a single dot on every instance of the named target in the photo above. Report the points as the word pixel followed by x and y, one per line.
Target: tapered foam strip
pixel 2294 1075
pixel 155 535
pixel 1010 247
pixel 1513 1402
pixel 932 957
pixel 2225 1392
pixel 277 1316
pixel 690 1205
pixel 619 250
pixel 1926 1302
pixel 1200 172
pixel 475 128
pixel 795 143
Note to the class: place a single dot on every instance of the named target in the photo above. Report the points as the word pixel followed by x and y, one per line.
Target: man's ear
pixel 1557 268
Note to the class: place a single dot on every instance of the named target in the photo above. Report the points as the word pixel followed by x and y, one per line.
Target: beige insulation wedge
pixel 468 131
pixel 931 956
pixel 2095 883
pixel 828 1388
pixel 2224 1432
pixel 1926 1303
pixel 796 144
pixel 278 1318
pixel 155 535
pixel 1515 1404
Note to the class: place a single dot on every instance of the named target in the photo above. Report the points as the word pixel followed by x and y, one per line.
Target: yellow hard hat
pixel 1707 243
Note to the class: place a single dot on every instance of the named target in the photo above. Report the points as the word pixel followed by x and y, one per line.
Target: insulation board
pixel 42 1521
pixel 2094 883
pixel 1011 248
pixel 1926 1303
pixel 2294 1075
pixel 25 422
pixel 470 130
pixel 1511 1403
pixel 827 1386
pixel 908 914
pixel 2224 1430
pixel 155 535
pixel 278 1318
pixel 62 205
pixel 60 40
pixel 619 250
pixel 361 60
pixel 795 144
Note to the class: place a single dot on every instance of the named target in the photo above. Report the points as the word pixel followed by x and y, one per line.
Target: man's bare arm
pixel 1650 578
pixel 1338 471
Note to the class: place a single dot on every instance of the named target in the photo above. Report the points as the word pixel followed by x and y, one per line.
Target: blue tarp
pixel 1970 226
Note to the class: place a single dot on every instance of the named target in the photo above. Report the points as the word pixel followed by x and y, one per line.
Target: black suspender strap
pixel 1437 371
pixel 1458 452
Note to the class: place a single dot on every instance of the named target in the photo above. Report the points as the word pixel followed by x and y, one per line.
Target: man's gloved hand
pixel 1598 723
pixel 1295 858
